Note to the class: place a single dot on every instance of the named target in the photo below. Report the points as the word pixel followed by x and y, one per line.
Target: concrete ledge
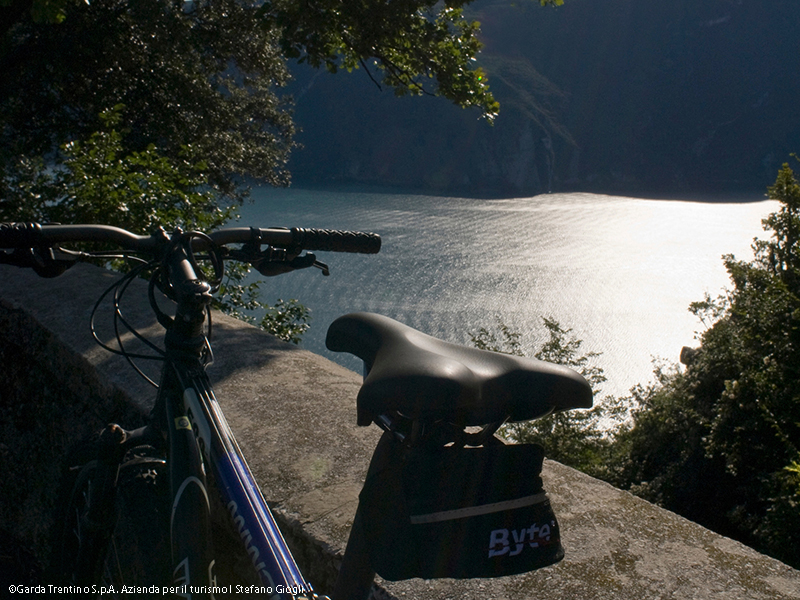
pixel 293 413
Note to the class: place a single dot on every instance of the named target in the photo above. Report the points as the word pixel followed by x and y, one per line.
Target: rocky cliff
pixel 603 95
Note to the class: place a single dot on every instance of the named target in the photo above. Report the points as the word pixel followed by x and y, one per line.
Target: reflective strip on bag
pixel 474 511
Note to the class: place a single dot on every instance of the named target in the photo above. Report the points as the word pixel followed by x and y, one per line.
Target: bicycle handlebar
pixel 30 235
pixel 326 240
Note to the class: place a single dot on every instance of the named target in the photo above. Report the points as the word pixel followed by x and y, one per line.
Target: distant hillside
pixel 627 96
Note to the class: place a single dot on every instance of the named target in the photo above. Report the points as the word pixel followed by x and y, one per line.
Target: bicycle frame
pixel 199 435
pixel 201 447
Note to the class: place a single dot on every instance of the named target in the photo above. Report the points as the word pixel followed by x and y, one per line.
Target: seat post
pixel 356 573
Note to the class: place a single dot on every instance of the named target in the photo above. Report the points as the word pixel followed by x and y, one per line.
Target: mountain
pixel 623 96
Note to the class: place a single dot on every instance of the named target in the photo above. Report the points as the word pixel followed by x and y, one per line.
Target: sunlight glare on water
pixel 619 271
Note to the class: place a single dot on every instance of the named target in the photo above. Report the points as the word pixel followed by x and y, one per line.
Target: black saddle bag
pixel 459 512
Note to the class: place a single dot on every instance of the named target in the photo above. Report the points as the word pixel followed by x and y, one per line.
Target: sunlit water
pixel 619 271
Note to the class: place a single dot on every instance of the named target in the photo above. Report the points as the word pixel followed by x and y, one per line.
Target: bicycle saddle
pixel 428 379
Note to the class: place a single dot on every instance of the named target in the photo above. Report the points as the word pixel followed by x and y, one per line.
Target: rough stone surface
pixel 293 413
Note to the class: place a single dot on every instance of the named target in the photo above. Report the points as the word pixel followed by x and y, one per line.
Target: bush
pixel 581 439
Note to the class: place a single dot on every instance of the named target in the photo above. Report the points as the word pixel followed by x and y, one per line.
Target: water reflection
pixel 619 271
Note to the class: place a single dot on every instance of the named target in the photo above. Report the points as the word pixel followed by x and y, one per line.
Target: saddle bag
pixel 459 512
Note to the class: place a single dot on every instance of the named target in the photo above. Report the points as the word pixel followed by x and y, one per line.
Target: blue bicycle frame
pixel 199 437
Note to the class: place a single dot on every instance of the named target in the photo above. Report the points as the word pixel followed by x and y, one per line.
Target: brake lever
pixel 309 260
pixel 45 261
pixel 270 267
pixel 323 267
pixel 275 261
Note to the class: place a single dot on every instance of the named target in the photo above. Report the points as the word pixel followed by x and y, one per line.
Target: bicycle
pixel 185 473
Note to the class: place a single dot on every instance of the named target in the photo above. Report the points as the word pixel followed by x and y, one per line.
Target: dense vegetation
pixel 717 442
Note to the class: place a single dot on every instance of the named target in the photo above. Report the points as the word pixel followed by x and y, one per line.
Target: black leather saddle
pixel 428 379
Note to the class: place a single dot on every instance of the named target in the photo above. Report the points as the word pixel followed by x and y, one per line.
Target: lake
pixel 620 272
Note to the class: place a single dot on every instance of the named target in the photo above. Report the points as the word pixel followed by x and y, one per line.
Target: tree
pixel 98 182
pixel 205 75
pixel 720 442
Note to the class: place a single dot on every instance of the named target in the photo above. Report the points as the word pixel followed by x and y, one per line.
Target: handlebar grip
pixel 20 235
pixel 331 240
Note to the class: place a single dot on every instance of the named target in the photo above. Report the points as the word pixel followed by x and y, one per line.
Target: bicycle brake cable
pixel 118 316
pixel 119 287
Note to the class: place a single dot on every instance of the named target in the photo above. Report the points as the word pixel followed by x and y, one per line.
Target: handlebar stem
pixel 185 335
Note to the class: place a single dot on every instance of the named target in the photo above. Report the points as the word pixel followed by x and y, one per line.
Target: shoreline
pixel 706 197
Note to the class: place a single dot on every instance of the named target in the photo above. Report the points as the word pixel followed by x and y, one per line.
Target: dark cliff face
pixel 626 96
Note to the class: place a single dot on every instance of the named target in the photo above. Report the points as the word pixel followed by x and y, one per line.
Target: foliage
pixel 581 439
pixel 561 350
pixel 500 339
pixel 202 74
pixel 99 183
pixel 40 11
pixel 719 443
pixel 409 42
pixel 287 320
pixel 794 475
